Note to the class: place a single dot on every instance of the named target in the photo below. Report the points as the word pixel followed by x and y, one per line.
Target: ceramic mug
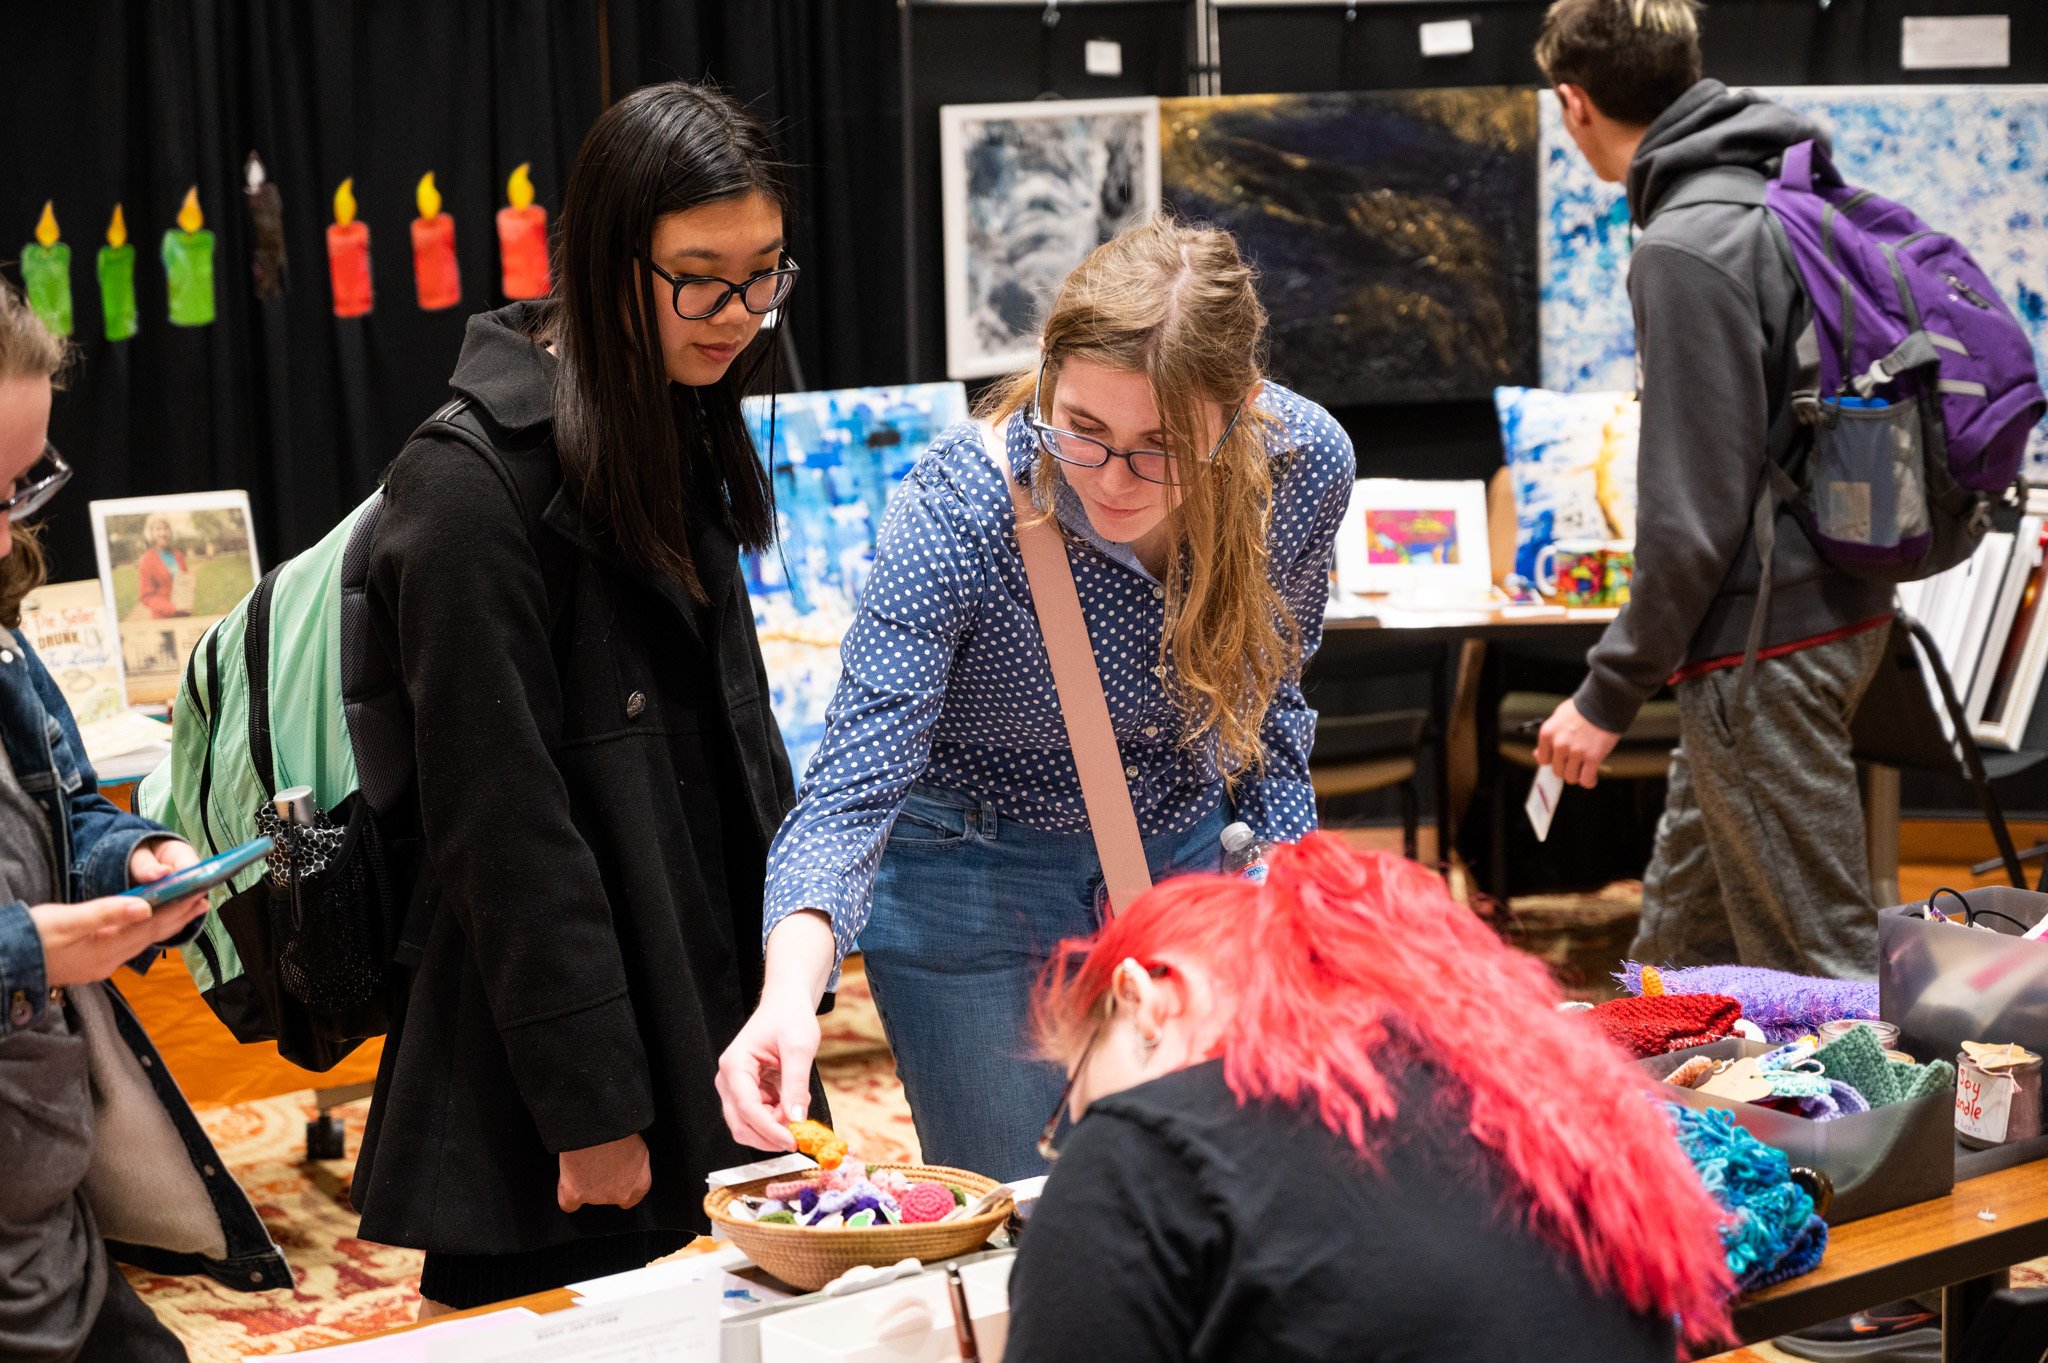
pixel 1587 572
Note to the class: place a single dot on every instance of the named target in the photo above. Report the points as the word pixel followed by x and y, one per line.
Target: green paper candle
pixel 46 269
pixel 117 280
pixel 188 266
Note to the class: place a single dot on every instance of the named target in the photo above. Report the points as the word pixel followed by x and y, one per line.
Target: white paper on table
pixel 677 1325
pixel 739 1289
pixel 411 1347
pixel 1543 796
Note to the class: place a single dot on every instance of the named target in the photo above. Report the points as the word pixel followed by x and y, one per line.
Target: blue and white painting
pixel 1028 191
pixel 1572 458
pixel 836 458
pixel 1971 160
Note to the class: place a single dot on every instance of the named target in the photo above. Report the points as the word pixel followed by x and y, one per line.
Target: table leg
pixel 1445 719
pixel 1960 1303
pixel 1881 832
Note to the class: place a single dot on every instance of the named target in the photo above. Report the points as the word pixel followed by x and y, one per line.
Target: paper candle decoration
pixel 117 280
pixel 348 255
pixel 46 269
pixel 433 251
pixel 188 265
pixel 523 239
pixel 266 222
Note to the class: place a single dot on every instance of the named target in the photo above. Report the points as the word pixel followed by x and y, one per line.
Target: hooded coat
pixel 599 775
pixel 1716 312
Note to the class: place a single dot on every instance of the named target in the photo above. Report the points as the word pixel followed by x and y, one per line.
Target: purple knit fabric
pixel 1786 1006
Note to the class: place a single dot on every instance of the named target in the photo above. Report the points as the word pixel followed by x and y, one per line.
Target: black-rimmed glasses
pixel 1083 452
pixel 698 296
pixel 1048 1147
pixel 33 490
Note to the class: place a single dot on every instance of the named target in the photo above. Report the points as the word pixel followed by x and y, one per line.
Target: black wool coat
pixel 588 959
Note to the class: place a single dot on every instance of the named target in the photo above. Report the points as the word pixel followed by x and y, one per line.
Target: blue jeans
pixel 968 907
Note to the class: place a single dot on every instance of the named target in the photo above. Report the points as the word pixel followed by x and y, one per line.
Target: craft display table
pixel 1945 1243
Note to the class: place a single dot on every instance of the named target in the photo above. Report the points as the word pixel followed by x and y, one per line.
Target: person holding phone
pixel 598 770
pixel 941 823
pixel 74 1066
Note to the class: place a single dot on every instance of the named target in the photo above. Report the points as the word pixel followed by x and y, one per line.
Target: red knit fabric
pixel 1667 1022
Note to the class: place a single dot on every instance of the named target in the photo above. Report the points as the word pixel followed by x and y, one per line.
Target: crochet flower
pixel 923 1202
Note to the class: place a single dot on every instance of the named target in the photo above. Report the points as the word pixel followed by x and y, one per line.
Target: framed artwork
pixel 835 459
pixel 1571 460
pixel 1394 232
pixel 1028 191
pixel 1412 537
pixel 169 567
pixel 1971 160
pixel 2014 648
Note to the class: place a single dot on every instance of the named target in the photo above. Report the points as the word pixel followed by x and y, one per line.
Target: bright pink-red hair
pixel 1341 951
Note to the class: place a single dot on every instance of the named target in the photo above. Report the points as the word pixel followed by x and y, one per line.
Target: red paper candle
pixel 433 251
pixel 523 239
pixel 348 255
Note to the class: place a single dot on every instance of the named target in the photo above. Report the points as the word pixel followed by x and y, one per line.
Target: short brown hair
pixel 1633 58
pixel 28 349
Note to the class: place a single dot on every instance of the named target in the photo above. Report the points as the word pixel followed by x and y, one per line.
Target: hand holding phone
pixel 201 877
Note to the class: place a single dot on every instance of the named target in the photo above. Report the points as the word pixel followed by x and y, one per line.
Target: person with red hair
pixel 1333 1116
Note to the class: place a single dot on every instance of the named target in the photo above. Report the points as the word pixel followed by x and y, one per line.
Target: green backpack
pixel 295 687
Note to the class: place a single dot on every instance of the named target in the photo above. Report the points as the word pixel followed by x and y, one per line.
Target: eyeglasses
pixel 41 481
pixel 1048 1149
pixel 1085 453
pixel 698 296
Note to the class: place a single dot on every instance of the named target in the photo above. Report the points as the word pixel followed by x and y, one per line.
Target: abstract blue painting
pixel 1572 457
pixel 836 458
pixel 1972 160
pixel 1391 230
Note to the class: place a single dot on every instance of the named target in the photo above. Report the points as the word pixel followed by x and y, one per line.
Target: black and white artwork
pixel 1029 190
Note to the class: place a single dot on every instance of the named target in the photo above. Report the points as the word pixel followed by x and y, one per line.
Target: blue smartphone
pixel 196 879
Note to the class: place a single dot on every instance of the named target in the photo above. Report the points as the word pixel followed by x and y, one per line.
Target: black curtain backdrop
pixel 121 101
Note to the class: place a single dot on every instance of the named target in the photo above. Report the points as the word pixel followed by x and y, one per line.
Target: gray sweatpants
pixel 1760 856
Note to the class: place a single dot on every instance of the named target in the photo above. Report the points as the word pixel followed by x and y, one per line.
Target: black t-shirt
pixel 1179 1225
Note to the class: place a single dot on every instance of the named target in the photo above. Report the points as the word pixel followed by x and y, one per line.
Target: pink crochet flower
pixel 926 1202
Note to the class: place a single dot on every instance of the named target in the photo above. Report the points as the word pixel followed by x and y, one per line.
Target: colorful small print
pixel 1411 536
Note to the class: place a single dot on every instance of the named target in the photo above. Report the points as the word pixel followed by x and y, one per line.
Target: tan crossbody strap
pixel 1082 705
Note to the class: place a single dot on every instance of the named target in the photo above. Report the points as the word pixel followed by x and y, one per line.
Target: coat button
pixel 636 705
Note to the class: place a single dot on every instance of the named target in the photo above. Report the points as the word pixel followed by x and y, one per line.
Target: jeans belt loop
pixel 988 820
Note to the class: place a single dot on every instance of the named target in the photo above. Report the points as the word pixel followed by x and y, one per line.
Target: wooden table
pixel 1941 1244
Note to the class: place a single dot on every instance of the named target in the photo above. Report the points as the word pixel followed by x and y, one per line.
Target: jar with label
pixel 1998 1094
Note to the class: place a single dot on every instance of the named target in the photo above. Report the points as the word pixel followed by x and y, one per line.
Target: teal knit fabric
pixel 1859 1061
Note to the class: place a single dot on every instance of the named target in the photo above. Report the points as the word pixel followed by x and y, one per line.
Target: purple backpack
pixel 1918 385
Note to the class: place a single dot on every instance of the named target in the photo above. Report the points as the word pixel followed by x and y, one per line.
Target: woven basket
pixel 809 1259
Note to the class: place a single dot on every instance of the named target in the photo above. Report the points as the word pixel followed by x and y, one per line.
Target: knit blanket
pixel 1786 1006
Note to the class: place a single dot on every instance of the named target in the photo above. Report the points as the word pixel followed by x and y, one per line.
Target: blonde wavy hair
pixel 28 349
pixel 1176 303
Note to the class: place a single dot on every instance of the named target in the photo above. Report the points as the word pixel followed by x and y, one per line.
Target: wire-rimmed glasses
pixel 41 481
pixel 1084 452
pixel 698 296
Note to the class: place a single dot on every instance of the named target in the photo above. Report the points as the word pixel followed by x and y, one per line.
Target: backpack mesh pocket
pixel 332 912
pixel 1869 498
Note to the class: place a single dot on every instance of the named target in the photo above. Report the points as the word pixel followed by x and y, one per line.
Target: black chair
pixel 1357 753
pixel 2012 1327
pixel 1644 754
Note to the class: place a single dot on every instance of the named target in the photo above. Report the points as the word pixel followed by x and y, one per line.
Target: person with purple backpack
pixel 1831 395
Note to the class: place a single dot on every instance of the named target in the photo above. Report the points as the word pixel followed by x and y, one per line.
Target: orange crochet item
pixel 1668 1022
pixel 818 1141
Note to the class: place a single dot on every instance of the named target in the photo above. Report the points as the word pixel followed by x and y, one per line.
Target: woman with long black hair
pixel 599 772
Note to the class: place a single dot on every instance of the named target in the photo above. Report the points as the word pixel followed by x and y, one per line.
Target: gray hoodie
pixel 1714 306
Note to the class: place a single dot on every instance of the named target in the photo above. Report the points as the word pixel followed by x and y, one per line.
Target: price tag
pixel 1983 1102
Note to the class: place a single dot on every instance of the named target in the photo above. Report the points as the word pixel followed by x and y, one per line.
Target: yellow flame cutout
pixel 345 202
pixel 519 189
pixel 189 216
pixel 46 226
pixel 429 197
pixel 117 229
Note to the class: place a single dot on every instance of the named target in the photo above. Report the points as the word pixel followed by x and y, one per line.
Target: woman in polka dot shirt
pixel 941 823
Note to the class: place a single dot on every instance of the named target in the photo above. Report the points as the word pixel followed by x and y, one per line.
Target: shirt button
pixel 1159 593
pixel 6 655
pixel 1160 672
pixel 1151 731
pixel 636 705
pixel 1131 773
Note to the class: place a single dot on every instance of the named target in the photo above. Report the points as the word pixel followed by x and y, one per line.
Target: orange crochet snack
pixel 819 1142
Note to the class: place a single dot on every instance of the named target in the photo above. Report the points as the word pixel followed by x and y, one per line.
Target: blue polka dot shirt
pixel 946 681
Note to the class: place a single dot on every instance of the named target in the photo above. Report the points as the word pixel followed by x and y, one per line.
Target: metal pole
pixel 906 92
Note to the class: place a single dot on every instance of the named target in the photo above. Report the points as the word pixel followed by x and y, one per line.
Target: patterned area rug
pixel 346 1286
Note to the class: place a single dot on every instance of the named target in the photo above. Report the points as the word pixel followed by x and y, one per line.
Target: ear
pixel 1577 108
pixel 1150 1003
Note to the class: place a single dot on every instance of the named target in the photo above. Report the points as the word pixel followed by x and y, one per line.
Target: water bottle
pixel 1244 852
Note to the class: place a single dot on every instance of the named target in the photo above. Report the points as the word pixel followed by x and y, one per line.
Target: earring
pixel 1148 1044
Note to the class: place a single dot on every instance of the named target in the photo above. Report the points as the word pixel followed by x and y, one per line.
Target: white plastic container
pixel 904 1322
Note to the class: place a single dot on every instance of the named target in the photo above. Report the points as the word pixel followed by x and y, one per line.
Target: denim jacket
pixel 94 839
